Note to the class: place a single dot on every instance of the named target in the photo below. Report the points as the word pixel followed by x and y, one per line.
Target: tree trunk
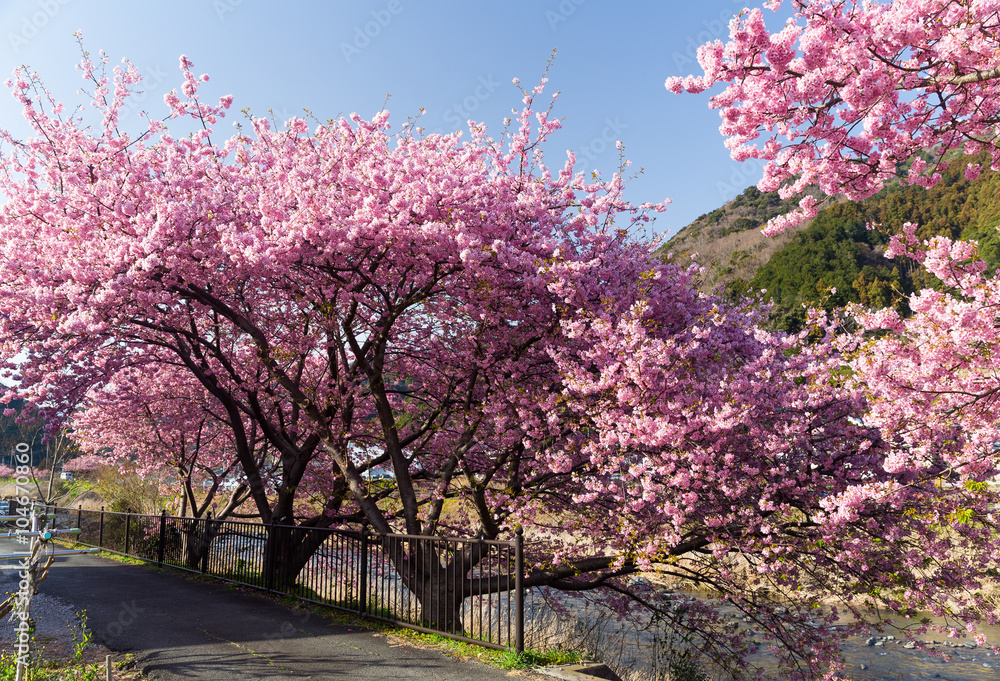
pixel 440 598
pixel 287 552
pixel 433 574
pixel 191 546
pixel 196 536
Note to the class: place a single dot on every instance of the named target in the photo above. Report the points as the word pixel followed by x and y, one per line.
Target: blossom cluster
pixel 846 92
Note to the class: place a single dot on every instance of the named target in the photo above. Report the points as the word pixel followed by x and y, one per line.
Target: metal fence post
pixel 100 536
pixel 128 525
pixel 272 537
pixel 79 512
pixel 206 543
pixel 363 570
pixel 519 590
pixel 163 537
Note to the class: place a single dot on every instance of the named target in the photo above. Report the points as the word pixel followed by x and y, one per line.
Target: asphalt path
pixel 179 629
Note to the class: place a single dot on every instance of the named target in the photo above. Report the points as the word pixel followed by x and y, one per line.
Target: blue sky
pixel 453 59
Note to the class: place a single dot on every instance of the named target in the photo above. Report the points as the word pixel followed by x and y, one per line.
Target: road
pixel 179 629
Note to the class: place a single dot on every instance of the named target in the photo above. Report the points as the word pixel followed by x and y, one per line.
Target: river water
pixel 631 650
pixel 892 661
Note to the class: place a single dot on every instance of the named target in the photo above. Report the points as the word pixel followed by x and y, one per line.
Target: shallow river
pixel 888 659
pixel 882 657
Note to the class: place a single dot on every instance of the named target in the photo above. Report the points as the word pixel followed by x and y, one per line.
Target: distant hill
pixel 836 251
pixel 728 242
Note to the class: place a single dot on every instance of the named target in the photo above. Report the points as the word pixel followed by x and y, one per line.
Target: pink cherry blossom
pixel 847 91
pixel 314 304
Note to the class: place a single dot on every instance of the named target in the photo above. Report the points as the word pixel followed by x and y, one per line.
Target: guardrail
pixel 465 589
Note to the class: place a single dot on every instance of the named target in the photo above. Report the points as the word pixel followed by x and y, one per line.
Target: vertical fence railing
pixel 468 589
pixel 519 590
pixel 128 527
pixel 161 540
pixel 365 564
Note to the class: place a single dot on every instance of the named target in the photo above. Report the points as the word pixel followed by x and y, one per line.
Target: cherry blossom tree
pixel 396 293
pixel 849 95
pixel 86 464
pixel 156 420
pixel 485 326
pixel 931 379
pixel 52 451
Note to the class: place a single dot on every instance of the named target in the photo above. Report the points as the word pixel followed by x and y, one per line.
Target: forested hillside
pixel 837 259
pixel 727 241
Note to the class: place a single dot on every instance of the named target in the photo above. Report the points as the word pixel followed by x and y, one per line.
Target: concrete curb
pixel 581 671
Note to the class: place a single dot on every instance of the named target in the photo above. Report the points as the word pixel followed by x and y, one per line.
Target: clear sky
pixel 454 59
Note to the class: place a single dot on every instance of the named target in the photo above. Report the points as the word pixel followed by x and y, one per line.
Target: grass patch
pixel 117 557
pixel 83 664
pixel 534 658
pixel 49 671
pixel 503 659
pixel 53 670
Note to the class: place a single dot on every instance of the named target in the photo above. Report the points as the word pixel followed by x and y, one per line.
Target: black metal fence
pixel 467 589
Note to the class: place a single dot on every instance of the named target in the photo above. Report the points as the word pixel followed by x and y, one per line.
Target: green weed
pixel 504 659
pixel 37 670
pixel 81 635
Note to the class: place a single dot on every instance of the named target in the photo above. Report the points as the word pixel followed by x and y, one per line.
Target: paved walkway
pixel 181 629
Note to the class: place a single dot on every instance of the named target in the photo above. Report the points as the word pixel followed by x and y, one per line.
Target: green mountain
pixel 727 242
pixel 836 258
